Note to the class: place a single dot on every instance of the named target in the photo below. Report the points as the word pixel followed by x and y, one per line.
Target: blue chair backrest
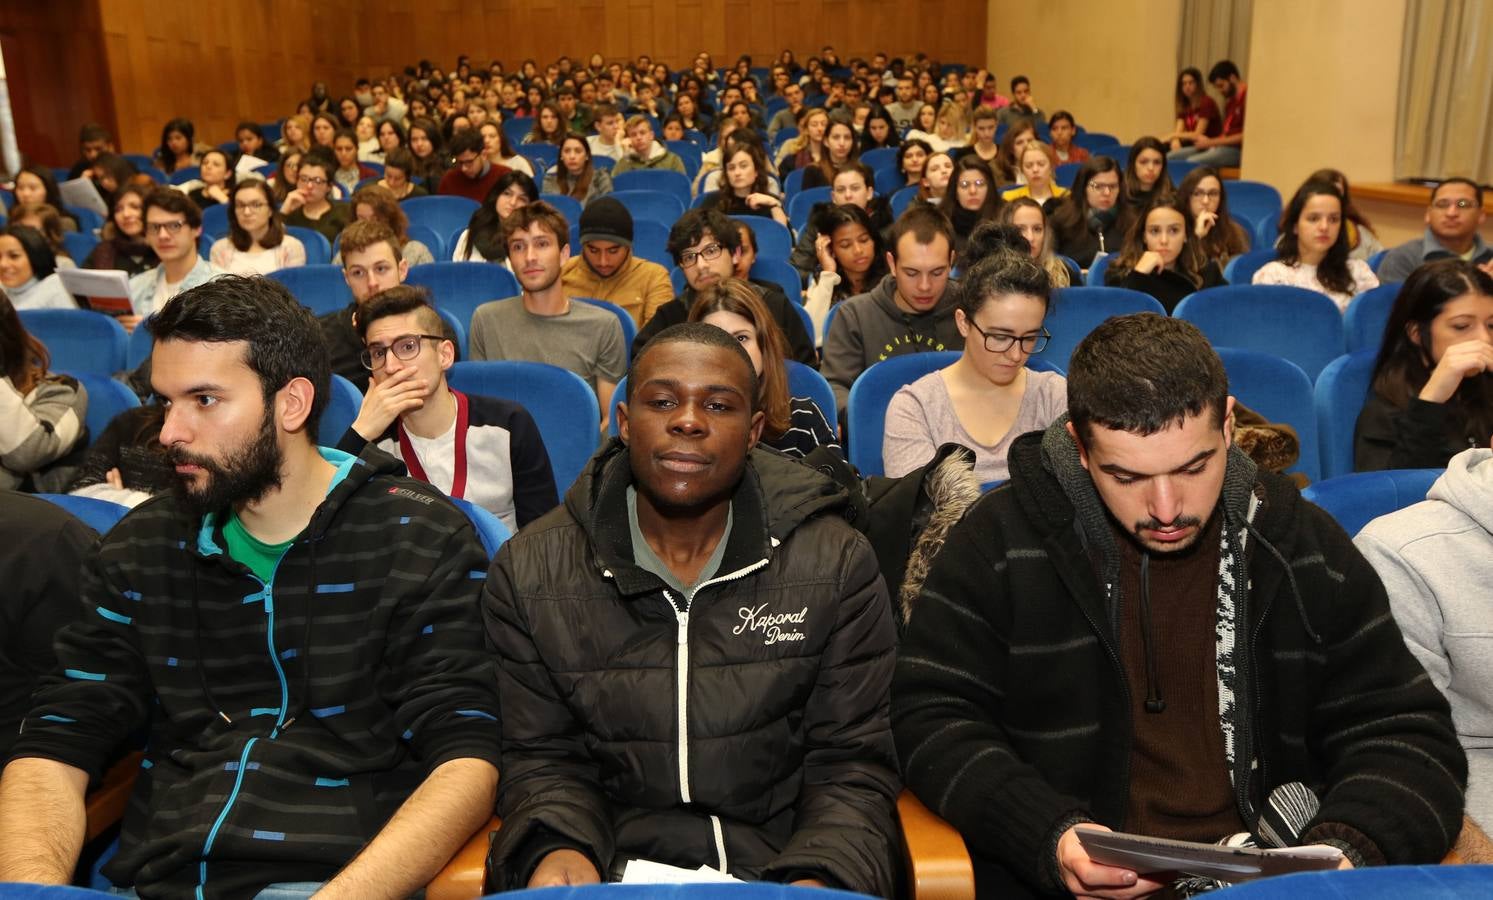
pixel 679 282
pixel 1097 268
pixel 888 179
pixel 1076 311
pixel 618 396
pixel 185 174
pixel 783 136
pixel 1377 259
pixel 1179 169
pixel 806 382
pixel 1280 391
pixel 562 404
pixel 605 163
pixel 774 240
pixel 343 404
pixel 540 156
pixel 1339 396
pixel 1065 173
pixel 706 198
pixel 1255 199
pixel 517 127
pixel 880 156
pixel 318 248
pixel 100 515
pixel 139 160
pixel 430 238
pixel 461 287
pixel 689 153
pixel 1241 269
pixel 1266 231
pixel 1358 498
pixel 1094 140
pixel 629 327
pixel 794 182
pixel 1366 317
pixel 569 207
pixel 780 273
pixel 138 347
pixel 801 205
pixel 1250 229
pixel 869 396
pixel 444 215
pixel 271 130
pixel 215 220
pixel 1290 322
pixel 662 207
pixel 490 529
pixel 458 328
pixel 88 220
pixel 107 398
pixel 1371 883
pixel 320 288
pixel 79 340
pixel 79 244
pixel 903 199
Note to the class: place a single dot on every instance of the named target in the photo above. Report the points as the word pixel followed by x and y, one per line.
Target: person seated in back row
pixel 1453 217
pixel 643 152
pixel 608 269
pixel 694 653
pixel 705 244
pixel 484 449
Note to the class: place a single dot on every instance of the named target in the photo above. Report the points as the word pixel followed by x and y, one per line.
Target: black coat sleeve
pixel 1412 437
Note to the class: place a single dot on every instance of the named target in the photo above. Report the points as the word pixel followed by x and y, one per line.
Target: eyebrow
pixel 674 385
pixel 208 388
pixel 1112 469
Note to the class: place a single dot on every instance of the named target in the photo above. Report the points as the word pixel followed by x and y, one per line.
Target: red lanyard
pixel 459 471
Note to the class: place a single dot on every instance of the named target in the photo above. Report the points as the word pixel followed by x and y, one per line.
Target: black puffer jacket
pixel 750 733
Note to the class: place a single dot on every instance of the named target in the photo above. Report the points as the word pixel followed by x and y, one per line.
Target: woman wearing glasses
pixel 257 243
pixel 1090 221
pixel 972 198
pixel 988 396
pixel 1219 237
pixel 308 206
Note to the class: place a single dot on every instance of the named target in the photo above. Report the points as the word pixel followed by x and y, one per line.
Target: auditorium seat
pixel 1280 391
pixel 1367 315
pixel 446 216
pixel 774 240
pixel 1341 390
pixel 319 288
pixel 562 404
pixel 801 205
pixel 1358 498
pixel 663 181
pixel 1293 323
pixel 1076 311
pixel 79 340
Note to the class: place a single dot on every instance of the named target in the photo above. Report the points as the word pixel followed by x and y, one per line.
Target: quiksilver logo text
pixel 772 626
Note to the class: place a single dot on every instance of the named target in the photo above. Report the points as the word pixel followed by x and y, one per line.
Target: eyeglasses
pixel 977 184
pixel 165 227
pixel 405 347
pixel 1207 195
pixel 1448 203
pixel 251 206
pixel 708 252
pixel 456 160
pixel 311 180
pixel 1098 188
pixel 1000 343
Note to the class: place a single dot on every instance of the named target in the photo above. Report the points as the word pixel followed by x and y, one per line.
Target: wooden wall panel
pixel 217 64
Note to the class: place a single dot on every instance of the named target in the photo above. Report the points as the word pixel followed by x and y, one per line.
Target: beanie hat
pixel 606 219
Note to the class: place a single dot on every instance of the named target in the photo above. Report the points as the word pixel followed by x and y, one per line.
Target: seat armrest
pixel 938 864
pixel 463 875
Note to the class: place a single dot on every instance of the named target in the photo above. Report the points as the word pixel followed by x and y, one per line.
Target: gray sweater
pixel 871 327
pixel 1436 561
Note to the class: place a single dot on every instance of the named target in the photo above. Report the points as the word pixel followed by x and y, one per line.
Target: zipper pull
pixel 683 628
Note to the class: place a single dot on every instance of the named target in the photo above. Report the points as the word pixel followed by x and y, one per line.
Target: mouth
pixel 532 271
pixel 683 463
pixel 1169 535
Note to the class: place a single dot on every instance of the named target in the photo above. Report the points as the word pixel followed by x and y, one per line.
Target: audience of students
pixel 1312 250
pixel 1454 218
pixel 257 243
pixel 1219 237
pixel 574 175
pixel 1160 257
pixel 608 269
pixel 28 271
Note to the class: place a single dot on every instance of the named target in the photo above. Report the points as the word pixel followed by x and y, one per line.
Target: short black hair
pixel 1001 272
pixel 251 127
pixel 1020 79
pixel 690 227
pixel 1223 70
pixel 1476 188
pixel 93 131
pixel 925 223
pixel 284 338
pixel 464 140
pixel 172 201
pixel 320 158
pixel 1142 373
pixel 38 252
pixel 396 301
pixel 696 333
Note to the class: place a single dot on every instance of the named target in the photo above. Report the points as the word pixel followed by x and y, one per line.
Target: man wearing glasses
pixel 1452 223
pixel 471 175
pixel 482 449
pixel 705 245
pixel 173 226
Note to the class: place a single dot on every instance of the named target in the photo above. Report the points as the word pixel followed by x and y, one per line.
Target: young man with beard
pixel 608 270
pixel 543 324
pixel 1155 636
pixel 706 245
pixel 694 653
pixel 320 717
pixel 911 311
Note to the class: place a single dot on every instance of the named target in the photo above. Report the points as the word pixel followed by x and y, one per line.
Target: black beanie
pixel 606 219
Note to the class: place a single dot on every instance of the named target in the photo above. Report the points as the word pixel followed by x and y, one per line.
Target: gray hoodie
pixel 1436 561
pixel 870 327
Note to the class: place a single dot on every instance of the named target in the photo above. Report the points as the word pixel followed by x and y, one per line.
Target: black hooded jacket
pixel 747 730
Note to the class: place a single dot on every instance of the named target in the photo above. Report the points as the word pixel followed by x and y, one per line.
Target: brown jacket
pixel 640 286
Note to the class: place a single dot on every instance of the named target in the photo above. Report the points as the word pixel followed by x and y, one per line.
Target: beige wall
pixel 1323 88
pixel 1112 65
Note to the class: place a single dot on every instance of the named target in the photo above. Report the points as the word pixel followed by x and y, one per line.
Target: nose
pixel 1163 502
pixel 174 429
pixel 687 419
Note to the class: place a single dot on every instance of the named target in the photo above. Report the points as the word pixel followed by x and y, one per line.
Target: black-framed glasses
pixel 1000 343
pixel 708 252
pixel 405 347
pixel 1459 203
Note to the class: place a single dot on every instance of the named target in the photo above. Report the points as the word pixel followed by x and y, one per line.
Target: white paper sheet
pixel 646 871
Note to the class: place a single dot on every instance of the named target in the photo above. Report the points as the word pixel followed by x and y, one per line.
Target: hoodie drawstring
pixel 1154 703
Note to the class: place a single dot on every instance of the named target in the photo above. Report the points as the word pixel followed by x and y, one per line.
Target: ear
pixel 446 355
pixel 1083 453
pixel 404 269
pixel 293 404
pixel 1228 423
pixel 754 434
pixel 891 261
pixel 622 429
pixel 1412 334
pixel 961 321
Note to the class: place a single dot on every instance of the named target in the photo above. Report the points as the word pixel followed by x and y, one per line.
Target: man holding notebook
pixel 1143 632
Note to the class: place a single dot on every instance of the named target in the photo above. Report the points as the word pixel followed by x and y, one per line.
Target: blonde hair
pixel 953 113
pixel 1057 270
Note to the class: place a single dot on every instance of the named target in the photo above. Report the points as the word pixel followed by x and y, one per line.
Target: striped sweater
pixel 287 721
pixel 1011 709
